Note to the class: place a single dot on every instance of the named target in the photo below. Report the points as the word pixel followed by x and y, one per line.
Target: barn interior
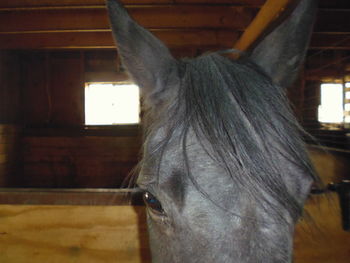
pixel 51 51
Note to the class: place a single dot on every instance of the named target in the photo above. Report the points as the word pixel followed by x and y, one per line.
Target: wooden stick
pixel 268 14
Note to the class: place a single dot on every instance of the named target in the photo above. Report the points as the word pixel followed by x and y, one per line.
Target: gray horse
pixel 224 172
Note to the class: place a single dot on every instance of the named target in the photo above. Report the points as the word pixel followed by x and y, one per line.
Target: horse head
pixel 224 170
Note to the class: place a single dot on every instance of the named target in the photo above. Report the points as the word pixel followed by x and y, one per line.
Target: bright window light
pixel 347 95
pixel 331 109
pixel 111 104
pixel 347 103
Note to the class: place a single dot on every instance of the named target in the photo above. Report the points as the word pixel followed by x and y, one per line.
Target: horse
pixel 225 171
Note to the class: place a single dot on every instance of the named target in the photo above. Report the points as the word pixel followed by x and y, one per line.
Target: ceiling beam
pixel 179 16
pixel 57 3
pixel 174 38
pixel 206 38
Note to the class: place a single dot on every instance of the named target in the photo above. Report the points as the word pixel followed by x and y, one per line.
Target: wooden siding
pixel 8 154
pixel 89 161
pixel 57 150
pixel 9 87
pixel 213 24
pixel 9 115
pixel 53 88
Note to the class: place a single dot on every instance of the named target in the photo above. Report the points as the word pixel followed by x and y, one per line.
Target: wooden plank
pixel 179 16
pixel 60 196
pixel 4 148
pixel 103 39
pixel 118 234
pixel 8 139
pixel 8 129
pixel 81 131
pixel 36 106
pixel 73 234
pixel 46 154
pixel 88 142
pixel 40 3
pixel 9 87
pixel 96 175
pixel 4 158
pixel 330 41
pixel 90 161
pixel 106 76
pixel 66 83
pixel 268 14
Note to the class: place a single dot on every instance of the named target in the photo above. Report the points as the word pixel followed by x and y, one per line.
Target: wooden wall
pixel 78 161
pixel 57 149
pixel 9 158
pixel 53 88
pixel 9 115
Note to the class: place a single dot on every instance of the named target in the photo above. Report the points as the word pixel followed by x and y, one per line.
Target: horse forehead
pixel 165 154
pixel 179 156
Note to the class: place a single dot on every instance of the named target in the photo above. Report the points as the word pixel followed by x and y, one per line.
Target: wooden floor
pixel 117 234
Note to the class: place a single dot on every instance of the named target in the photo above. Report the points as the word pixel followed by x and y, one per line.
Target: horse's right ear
pixel 145 57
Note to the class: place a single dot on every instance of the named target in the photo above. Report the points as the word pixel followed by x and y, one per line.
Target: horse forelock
pixel 243 121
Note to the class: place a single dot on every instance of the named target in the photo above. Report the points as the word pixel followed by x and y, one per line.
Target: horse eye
pixel 152 203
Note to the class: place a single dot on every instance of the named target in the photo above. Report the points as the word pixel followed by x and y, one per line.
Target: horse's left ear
pixel 282 51
pixel 145 57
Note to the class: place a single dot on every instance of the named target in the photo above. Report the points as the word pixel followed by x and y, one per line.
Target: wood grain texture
pixel 89 161
pixel 103 39
pixel 179 16
pixel 118 234
pixel 9 87
pixel 40 3
pixel 9 139
pixel 72 234
pixel 54 88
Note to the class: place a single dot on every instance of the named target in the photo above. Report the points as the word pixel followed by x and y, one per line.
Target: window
pixel 347 103
pixel 335 103
pixel 111 104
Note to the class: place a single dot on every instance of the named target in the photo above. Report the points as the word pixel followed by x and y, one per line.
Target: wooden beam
pixel 78 196
pixel 53 3
pixel 175 38
pixel 330 41
pixel 268 14
pixel 179 16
